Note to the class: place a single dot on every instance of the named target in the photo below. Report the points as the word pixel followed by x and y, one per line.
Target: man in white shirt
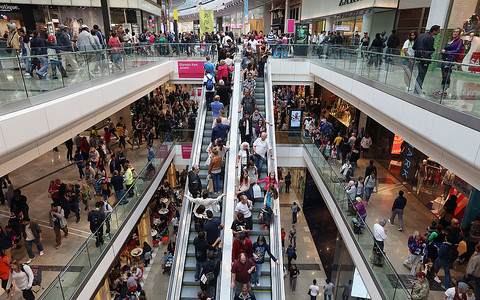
pixel 307 123
pixel 314 38
pixel 314 289
pixel 245 206
pixel 462 289
pixel 260 147
pixel 380 233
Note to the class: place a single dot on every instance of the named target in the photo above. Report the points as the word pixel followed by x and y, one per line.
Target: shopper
pixel 328 290
pixel 371 182
pixel 242 269
pixel 379 234
pixel 416 246
pixel 210 271
pixel 397 209
pixel 295 210
pixel 472 237
pixel 209 82
pixel 424 48
pixel 248 104
pixel 288 182
pixel 457 292
pixel 294 272
pixel 447 253
pixel 32 233
pixel 421 287
pixel 241 244
pixel 212 227
pixel 23 277
pixel 260 248
pixel 260 148
pixel 194 181
pixel 58 222
pixel 347 290
pixel 291 254
pixel 95 218
pixel 450 55
pixel 245 294
pixel 473 269
pixel 201 248
pixel 408 61
pixel 313 290
pixel 245 206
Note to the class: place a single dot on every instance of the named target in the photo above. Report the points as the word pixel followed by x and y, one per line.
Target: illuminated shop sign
pixel 407 165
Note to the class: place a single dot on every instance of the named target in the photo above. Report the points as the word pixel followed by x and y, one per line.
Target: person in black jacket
pixel 392 43
pixel 65 45
pixel 246 128
pixel 370 169
pixel 211 267
pixel 19 206
pixel 96 217
pixel 424 47
pixel 245 294
pixel 376 46
pixel 37 46
pixel 194 182
pixel 201 248
pixel 397 209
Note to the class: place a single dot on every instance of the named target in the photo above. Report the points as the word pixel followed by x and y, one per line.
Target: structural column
pixel 106 17
pixel 366 24
pixel 328 24
pixel 287 14
pixel 144 226
pixel 438 13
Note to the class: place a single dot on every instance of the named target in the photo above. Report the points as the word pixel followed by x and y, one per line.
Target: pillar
pixel 438 13
pixel 144 229
pixel 366 25
pixel 287 14
pixel 172 175
pixel 328 24
pixel 106 16
pixel 473 207
pixel 104 291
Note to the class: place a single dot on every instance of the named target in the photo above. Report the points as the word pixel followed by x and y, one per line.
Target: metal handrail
pixel 225 292
pixel 233 138
pixel 278 284
pixel 176 278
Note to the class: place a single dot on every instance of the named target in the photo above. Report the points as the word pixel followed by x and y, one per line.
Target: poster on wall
pixel 301 34
pixel 295 119
pixel 291 26
pixel 256 24
pixel 186 151
pixel 190 69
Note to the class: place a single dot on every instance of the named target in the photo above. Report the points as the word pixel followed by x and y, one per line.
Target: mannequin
pixel 421 175
pixel 447 183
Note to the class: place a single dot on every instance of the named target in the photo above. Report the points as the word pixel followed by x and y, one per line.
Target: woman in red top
pixel 283 239
pixel 4 269
pixel 116 50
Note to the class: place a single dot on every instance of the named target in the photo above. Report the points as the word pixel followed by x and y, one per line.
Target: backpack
pixel 452 254
pixel 96 219
pixel 209 85
pixel 37 274
pixel 142 38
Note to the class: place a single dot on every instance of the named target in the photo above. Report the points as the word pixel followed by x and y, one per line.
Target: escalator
pixel 190 287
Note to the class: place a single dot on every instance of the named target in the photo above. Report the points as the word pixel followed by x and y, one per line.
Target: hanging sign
pixel 206 21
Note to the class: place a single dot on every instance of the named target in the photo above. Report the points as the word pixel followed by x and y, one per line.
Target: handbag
pixel 210 186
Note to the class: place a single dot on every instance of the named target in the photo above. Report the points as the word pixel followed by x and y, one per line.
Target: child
pixel 85 196
pixel 334 155
pixel 54 58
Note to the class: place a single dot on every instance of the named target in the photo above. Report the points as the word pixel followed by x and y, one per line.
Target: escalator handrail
pixel 225 276
pixel 232 135
pixel 278 284
pixel 180 258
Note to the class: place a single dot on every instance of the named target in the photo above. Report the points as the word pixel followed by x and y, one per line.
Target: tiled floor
pixel 416 217
pixel 55 164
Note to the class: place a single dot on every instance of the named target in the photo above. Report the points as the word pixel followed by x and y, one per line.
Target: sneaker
pixel 400 229
pixel 58 246
pixel 27 75
pixel 263 225
pixel 66 236
pixel 78 220
pixel 30 260
pixel 258 283
pixel 293 292
pixel 253 284
pixel 390 222
pixel 41 253
pixel 266 228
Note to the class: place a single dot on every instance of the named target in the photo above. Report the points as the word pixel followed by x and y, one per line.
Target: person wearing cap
pixel 85 40
pixel 13 41
pixel 457 292
pixel 54 58
pixel 65 45
pixel 421 287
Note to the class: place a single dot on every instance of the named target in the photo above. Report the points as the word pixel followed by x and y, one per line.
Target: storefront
pixel 350 18
pixel 337 108
pixel 27 16
pixel 428 180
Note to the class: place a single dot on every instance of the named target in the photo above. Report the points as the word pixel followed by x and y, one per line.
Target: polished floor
pixel 33 179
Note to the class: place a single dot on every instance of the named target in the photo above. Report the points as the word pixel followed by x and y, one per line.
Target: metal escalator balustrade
pixel 181 263
pixel 71 283
pixel 385 278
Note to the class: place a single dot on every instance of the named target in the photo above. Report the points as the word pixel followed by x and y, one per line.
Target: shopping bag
pixel 257 192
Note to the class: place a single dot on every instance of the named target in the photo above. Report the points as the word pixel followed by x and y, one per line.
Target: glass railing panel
pixel 54 291
pixel 12 83
pixel 76 270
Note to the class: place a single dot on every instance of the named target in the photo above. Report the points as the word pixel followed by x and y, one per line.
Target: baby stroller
pixel 167 264
pixel 357 226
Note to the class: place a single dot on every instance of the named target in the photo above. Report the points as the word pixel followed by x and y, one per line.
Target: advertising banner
pixel 295 118
pixel 190 69
pixel 291 26
pixel 397 145
pixel 301 34
pixel 186 151
pixel 206 21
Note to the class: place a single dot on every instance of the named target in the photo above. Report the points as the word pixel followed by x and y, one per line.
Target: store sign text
pixel 9 8
pixel 345 2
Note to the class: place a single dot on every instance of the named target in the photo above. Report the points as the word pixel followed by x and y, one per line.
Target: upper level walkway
pixel 38 114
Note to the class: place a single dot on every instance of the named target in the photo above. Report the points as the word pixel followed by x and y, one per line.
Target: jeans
pixel 294 217
pixel 256 274
pixel 44 66
pixel 325 297
pixel 398 212
pixel 198 268
pixel 422 71
pixel 119 194
pixel 57 64
pixel 354 165
pixel 74 208
pixel 28 246
pixel 107 223
pixel 209 97
pixel 117 59
pixel 439 263
pixel 368 193
pixel 259 163
pixel 293 283
pixel 98 235
pixel 216 181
